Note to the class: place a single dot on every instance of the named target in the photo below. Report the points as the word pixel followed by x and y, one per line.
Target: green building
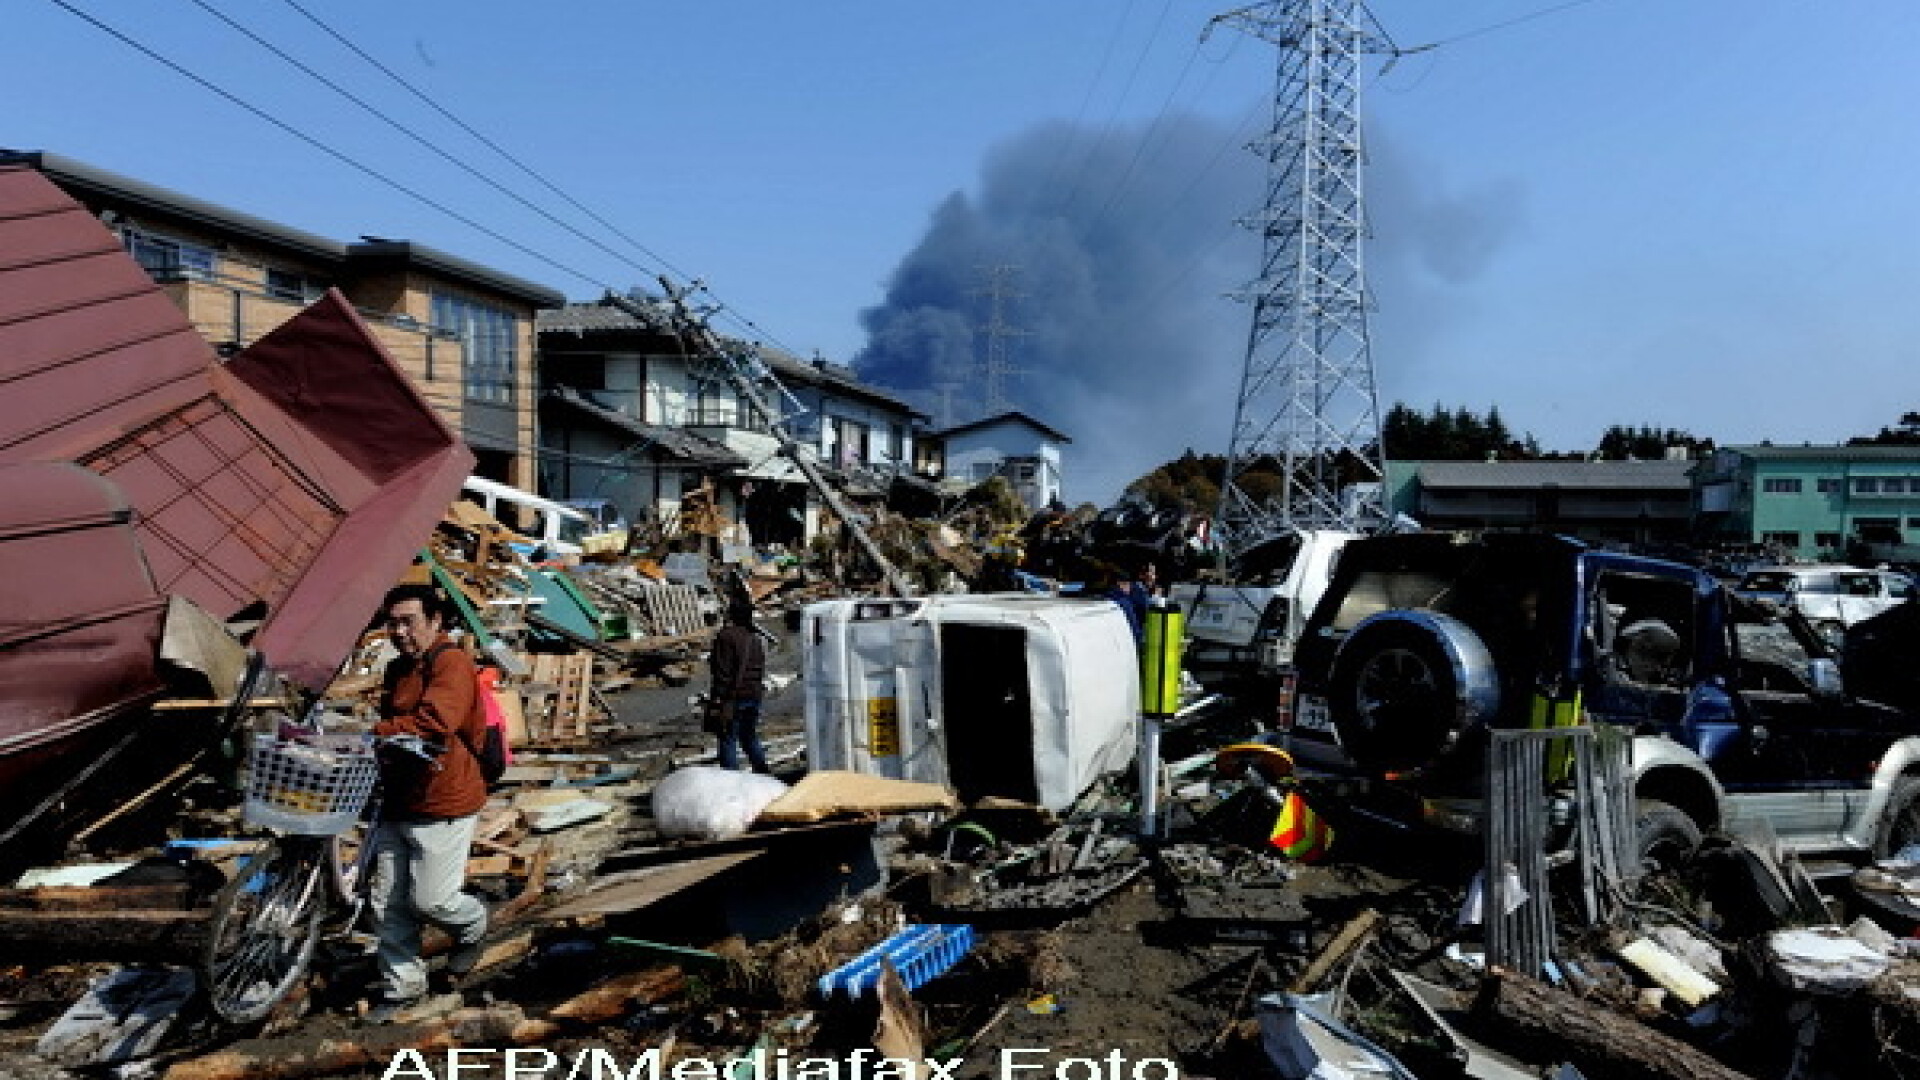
pixel 1810 502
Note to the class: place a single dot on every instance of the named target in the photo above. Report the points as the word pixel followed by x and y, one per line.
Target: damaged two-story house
pixel 463 332
pixel 629 415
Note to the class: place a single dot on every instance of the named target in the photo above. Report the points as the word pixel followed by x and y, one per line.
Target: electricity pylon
pixel 1307 402
pixel 996 367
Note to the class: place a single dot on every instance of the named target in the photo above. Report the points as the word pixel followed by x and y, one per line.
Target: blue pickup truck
pixel 1423 642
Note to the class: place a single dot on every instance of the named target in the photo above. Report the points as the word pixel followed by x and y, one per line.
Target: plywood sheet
pixel 823 794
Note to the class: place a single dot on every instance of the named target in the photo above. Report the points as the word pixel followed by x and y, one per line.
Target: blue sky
pixel 1691 213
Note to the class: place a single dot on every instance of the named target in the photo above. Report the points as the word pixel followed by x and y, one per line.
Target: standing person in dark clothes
pixel 739 665
pixel 430 809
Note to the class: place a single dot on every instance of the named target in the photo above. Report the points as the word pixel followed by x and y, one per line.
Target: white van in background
pixel 559 529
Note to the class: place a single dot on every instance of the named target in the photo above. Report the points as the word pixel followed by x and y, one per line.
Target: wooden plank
pixel 632 858
pixel 71 936
pixel 639 888
pixel 1344 944
pixel 583 696
pixel 178 896
pixel 514 710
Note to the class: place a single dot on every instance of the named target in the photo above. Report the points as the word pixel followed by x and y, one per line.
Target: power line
pixel 1516 21
pixel 1086 99
pixel 1140 150
pixel 1088 164
pixel 403 129
pixel 330 151
pixel 350 161
pixel 730 313
pixel 485 141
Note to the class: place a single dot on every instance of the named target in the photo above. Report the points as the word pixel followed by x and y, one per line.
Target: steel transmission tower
pixel 997 364
pixel 1307 401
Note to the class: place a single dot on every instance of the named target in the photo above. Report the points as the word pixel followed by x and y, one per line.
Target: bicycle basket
pixel 310 788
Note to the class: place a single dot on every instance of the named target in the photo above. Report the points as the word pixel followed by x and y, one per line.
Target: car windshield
pixel 1767 581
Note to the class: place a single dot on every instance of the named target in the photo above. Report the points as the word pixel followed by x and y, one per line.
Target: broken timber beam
pixel 102 935
pixel 1555 1024
pixel 500 1025
pixel 1358 931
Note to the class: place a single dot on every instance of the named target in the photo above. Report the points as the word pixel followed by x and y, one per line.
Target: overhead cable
pixel 731 314
pixel 338 155
pixel 403 129
pixel 490 144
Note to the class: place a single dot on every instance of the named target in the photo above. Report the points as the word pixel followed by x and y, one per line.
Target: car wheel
pixel 1405 685
pixel 1900 824
pixel 1665 837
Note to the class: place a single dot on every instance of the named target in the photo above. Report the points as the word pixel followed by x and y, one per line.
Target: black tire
pixel 1396 695
pixel 1665 837
pixel 266 922
pixel 1900 823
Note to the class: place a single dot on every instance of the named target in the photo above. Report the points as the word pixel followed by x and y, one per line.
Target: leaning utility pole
pixel 1307 402
pixel 739 366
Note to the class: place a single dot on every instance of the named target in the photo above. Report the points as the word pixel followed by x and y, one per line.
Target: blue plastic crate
pixel 918 953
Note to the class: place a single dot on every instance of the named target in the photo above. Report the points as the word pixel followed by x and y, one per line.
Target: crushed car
pixel 1423 643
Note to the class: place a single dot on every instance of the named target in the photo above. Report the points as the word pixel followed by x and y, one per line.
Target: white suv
pixel 1832 598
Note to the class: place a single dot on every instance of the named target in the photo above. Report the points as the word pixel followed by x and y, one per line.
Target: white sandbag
pixel 710 803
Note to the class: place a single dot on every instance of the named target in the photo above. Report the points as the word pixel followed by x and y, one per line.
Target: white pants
pixel 418 870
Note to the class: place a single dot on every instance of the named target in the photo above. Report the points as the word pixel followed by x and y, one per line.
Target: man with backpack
pixel 429 810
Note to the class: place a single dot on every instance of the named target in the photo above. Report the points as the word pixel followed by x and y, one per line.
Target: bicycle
pixel 312 787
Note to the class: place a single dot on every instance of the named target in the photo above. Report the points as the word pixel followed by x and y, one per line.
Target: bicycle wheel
pixel 266 923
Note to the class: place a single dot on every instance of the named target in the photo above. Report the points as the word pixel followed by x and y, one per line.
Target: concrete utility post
pixel 734 367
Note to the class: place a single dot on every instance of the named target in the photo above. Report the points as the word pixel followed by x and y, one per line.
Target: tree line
pixel 1192 481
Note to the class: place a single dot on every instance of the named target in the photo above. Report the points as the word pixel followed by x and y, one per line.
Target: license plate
pixel 1311 713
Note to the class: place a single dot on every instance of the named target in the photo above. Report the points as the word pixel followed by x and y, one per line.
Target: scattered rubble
pixel 1004 924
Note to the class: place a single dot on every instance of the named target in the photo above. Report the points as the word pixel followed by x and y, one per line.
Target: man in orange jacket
pixel 429 809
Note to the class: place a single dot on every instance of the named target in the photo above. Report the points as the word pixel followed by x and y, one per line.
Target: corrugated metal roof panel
pixel 300 477
pixel 1608 475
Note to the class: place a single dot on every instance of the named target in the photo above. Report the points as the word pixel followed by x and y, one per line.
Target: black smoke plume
pixel 1126 245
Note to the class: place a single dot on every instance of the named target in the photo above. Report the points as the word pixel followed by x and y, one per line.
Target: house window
pixel 1877 530
pixel 489 335
pixel 1827 485
pixel 1787 538
pixel 1866 485
pixel 287 285
pixel 716 405
pixel 850 443
pixel 897 443
pixel 1781 486
pixel 1893 485
pixel 167 259
pixel 1827 541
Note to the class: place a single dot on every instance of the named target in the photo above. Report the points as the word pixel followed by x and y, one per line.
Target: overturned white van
pixel 1023 697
